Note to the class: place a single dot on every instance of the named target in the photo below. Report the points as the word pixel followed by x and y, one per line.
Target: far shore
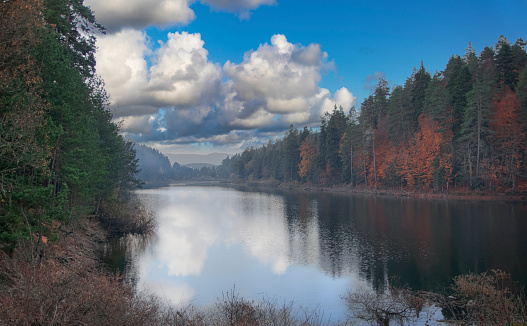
pixel 454 193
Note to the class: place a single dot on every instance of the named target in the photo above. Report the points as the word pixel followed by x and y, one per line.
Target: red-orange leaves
pixel 307 156
pixel 426 155
pixel 508 136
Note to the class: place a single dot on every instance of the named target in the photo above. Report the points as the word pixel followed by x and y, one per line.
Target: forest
pixel 464 127
pixel 61 156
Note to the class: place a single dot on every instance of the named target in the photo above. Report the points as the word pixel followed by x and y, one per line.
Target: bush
pixel 485 299
pixel 127 218
pixel 396 304
pixel 52 293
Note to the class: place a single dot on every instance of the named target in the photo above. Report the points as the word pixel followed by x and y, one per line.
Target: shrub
pixel 396 304
pixel 485 299
pixel 127 218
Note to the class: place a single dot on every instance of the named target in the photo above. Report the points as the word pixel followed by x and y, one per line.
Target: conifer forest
pixel 463 127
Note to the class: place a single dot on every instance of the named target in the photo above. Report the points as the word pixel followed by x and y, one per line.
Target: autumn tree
pixel 508 135
pixel 427 154
pixel 307 157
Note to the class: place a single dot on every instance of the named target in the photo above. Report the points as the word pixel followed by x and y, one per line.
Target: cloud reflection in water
pixel 211 239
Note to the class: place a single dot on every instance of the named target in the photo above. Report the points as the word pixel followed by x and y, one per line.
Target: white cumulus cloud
pixel 344 98
pixel 179 75
pixel 174 94
pixel 278 84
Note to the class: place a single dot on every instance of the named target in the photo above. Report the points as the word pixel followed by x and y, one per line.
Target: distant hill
pixel 197 166
pixel 185 159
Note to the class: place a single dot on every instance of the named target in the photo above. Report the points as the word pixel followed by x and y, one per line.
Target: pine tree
pixel 420 80
pixel 400 122
pixel 438 103
pixel 458 83
pixel 506 75
pixel 475 127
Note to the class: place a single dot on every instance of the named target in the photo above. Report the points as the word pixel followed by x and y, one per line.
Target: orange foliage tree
pixel 308 153
pixel 384 152
pixel 508 136
pixel 426 155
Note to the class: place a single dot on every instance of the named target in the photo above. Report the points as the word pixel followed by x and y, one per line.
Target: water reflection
pixel 313 247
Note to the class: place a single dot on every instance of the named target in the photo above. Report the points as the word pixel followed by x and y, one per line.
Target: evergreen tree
pixel 475 128
pixel 471 59
pixel 458 83
pixel 64 153
pixel 75 25
pixel 438 103
pixel 400 115
pixel 292 154
pixel 420 80
pixel 506 75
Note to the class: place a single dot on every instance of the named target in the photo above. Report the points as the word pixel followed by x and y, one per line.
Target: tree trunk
pixel 479 137
pixel 351 164
pixel 374 163
pixel 469 164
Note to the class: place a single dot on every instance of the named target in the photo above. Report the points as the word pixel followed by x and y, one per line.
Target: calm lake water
pixel 311 248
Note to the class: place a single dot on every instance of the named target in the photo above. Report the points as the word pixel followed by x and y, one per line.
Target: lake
pixel 313 247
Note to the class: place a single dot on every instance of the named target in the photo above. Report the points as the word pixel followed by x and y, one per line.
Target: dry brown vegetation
pixel 129 218
pixel 63 284
pixel 489 298
pixel 396 304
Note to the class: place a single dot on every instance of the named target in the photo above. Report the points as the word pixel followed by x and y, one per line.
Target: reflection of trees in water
pixel 320 222
pixel 424 243
pixel 123 254
pixel 300 212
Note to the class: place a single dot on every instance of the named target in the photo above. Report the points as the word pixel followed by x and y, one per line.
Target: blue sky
pixel 222 75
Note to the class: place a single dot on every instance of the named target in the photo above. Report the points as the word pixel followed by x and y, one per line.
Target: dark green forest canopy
pixel 60 153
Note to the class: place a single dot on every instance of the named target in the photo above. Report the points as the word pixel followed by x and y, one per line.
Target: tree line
pixel 61 155
pixel 465 126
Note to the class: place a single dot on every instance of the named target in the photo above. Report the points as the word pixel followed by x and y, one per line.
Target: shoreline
pixel 457 193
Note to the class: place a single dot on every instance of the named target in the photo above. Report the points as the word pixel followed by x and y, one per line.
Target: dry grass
pixel 398 305
pixel 488 298
pixel 233 310
pixel 55 291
